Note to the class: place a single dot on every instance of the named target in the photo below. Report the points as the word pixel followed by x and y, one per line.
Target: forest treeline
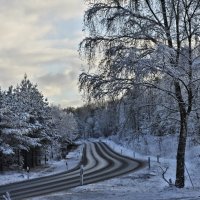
pixel 138 113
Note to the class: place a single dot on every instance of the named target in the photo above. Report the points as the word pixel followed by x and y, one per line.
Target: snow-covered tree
pixel 15 129
pixel 136 43
pixel 65 128
pixel 25 121
pixel 82 114
pixel 65 124
pixel 31 101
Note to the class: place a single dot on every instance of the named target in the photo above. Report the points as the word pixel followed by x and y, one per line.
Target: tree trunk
pixel 180 159
pixel 25 159
pixel 18 158
pixel 33 157
pixel 1 162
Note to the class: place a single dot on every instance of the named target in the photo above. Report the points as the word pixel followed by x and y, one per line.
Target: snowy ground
pixel 145 184
pixel 52 167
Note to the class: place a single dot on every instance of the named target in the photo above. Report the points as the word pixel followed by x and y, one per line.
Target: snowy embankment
pixel 145 184
pixel 52 167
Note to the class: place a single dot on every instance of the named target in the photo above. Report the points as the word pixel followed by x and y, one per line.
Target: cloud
pixel 59 79
pixel 41 38
pixel 61 87
pixel 73 103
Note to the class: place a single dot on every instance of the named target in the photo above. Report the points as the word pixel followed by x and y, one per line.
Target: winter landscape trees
pixel 29 125
pixel 143 79
pixel 140 47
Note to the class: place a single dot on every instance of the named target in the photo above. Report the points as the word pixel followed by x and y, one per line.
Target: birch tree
pixel 135 44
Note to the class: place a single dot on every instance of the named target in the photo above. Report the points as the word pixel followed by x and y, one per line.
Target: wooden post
pixel 170 182
pixel 158 161
pixel 149 162
pixel 28 170
pixel 81 174
pixel 133 154
pixel 67 165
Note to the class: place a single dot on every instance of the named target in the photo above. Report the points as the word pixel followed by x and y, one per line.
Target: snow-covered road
pixel 99 163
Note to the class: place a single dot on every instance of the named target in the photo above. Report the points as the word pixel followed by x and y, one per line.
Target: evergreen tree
pixel 32 102
pixel 25 122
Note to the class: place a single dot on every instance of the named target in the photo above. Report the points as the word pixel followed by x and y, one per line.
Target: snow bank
pixel 73 158
pixel 145 184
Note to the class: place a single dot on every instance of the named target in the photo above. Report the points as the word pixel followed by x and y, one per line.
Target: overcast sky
pixel 40 38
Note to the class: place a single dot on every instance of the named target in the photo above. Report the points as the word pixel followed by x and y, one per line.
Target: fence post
pixel 28 170
pixel 81 174
pixel 133 154
pixel 149 162
pixel 170 182
pixel 158 157
pixel 67 165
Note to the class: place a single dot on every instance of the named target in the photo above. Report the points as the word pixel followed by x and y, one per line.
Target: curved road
pixel 99 163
